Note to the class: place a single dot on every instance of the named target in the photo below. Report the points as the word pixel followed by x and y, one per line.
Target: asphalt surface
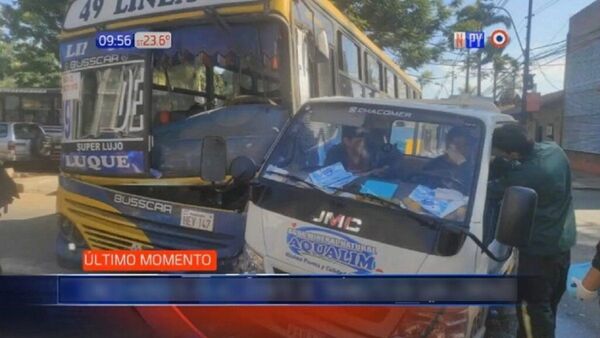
pixel 28 233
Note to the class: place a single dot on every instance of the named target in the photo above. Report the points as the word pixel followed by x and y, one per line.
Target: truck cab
pixel 360 186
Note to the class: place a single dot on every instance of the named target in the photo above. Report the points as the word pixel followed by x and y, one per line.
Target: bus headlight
pixel 250 262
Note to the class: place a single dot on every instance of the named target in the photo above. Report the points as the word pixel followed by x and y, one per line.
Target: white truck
pixel 365 186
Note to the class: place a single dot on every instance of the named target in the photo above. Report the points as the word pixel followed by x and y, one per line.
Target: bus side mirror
pixel 322 47
pixel 213 162
pixel 515 222
pixel 243 169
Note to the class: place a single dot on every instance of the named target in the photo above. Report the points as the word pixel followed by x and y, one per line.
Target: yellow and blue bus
pixel 156 140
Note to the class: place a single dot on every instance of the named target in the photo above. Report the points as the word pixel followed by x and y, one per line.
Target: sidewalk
pixel 584 181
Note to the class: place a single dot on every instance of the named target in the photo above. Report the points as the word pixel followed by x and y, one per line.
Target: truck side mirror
pixel 213 163
pixel 243 169
pixel 515 222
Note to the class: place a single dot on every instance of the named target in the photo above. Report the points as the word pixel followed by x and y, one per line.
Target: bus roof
pixel 82 18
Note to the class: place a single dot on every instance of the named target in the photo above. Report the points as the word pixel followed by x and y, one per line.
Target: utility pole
pixel 526 65
pixel 467 89
pixel 495 84
pixel 452 87
pixel 479 73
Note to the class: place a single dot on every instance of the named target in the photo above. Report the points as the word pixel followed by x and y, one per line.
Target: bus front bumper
pixel 107 219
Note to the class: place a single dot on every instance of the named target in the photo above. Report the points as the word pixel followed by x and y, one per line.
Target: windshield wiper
pixel 298 180
pixel 421 219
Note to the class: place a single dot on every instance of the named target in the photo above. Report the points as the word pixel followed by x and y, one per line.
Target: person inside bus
pixel 457 161
pixel 364 152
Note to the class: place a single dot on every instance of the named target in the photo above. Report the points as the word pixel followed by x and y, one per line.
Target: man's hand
pixel 582 293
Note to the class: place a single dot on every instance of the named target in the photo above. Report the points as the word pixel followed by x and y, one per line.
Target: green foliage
pixel 404 28
pixel 425 78
pixel 30 50
pixel 477 17
pixel 509 79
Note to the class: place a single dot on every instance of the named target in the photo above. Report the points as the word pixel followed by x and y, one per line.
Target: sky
pixel 550 24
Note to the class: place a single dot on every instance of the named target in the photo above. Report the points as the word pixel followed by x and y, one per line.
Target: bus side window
pixel 401 89
pixel 349 57
pixel 373 71
pixel 326 85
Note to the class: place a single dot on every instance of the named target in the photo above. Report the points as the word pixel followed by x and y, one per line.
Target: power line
pixel 549 45
pixel 546 77
pixel 560 30
pixel 545 6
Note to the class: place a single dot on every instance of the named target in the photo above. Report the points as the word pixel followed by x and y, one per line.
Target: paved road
pixel 28 232
pixel 577 319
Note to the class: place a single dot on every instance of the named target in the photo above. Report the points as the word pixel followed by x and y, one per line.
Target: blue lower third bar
pixel 232 290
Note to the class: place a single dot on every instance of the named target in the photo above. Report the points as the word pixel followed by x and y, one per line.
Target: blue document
pixel 379 189
pixel 334 176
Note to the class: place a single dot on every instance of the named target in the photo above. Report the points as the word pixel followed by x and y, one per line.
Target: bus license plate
pixel 197 220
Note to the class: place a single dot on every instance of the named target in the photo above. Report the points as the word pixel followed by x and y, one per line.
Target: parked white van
pixel 366 186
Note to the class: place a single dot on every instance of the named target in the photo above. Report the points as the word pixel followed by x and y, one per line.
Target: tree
pixel 503 65
pixel 31 28
pixel 404 28
pixel 425 78
pixel 477 17
pixel 509 82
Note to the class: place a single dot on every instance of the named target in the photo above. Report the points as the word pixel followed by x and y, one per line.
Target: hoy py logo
pixel 471 40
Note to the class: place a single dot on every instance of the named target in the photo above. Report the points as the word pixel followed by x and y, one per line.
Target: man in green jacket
pixel 543 167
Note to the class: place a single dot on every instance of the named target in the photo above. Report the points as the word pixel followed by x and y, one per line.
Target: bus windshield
pixel 111 101
pixel 422 162
pixel 218 65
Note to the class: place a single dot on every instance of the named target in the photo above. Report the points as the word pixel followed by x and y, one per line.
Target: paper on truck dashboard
pixel 439 202
pixel 333 176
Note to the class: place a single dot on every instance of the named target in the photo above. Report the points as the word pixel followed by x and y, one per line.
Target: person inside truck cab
pixel 365 152
pixel 457 159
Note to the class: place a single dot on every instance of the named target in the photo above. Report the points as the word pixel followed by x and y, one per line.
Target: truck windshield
pixel 422 161
pixel 212 66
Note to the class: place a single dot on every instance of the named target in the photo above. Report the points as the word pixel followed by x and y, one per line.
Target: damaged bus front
pixel 153 137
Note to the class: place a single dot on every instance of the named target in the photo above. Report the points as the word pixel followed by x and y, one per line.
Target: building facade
pixel 546 123
pixel 581 122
